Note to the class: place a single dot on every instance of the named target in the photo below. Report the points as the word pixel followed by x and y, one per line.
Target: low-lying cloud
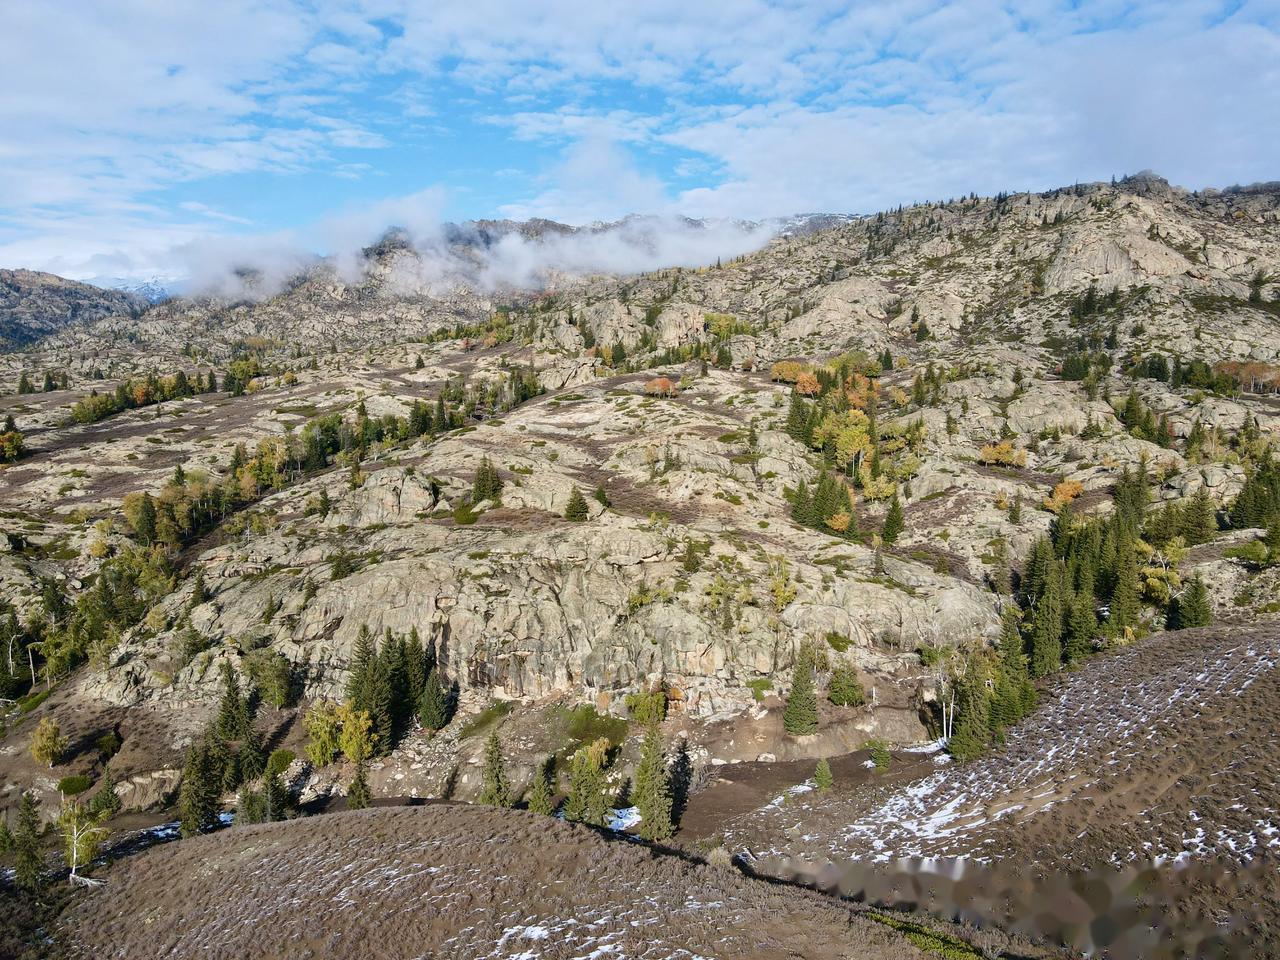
pixel 431 256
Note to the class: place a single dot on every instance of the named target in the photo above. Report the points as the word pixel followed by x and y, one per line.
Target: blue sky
pixel 141 135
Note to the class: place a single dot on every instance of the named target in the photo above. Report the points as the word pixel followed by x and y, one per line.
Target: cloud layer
pixel 142 127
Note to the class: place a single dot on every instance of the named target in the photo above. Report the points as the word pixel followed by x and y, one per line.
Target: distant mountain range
pixel 151 289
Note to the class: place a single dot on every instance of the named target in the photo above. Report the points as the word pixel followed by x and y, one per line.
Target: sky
pixel 140 137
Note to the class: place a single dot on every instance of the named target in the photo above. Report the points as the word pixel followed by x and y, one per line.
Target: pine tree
pixel 495 791
pixel 1082 624
pixel 358 794
pixel 1192 608
pixel 541 798
pixel 198 796
pixel 972 732
pixel 28 862
pixel 893 521
pixel 802 505
pixel 230 721
pixel 106 802
pixel 800 717
pixel 48 743
pixel 822 775
pixel 577 508
pixel 433 706
pixel 588 801
pixel 652 795
pixel 1046 628
pixel 1125 598
pixel 358 669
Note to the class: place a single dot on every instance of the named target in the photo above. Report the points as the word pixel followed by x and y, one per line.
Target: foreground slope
pixel 451 881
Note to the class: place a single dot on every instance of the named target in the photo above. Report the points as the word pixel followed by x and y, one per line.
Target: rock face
pixel 525 605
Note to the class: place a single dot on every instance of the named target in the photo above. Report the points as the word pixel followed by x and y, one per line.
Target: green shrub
pixel 279 761
pixel 838 642
pixel 647 708
pixel 844 688
pixel 74 784
pixel 822 775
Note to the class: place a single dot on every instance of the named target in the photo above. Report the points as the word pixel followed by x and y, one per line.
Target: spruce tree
pixel 1192 608
pixel 652 795
pixel 415 669
pixel 495 792
pixel 541 798
pixel 231 708
pixel 800 717
pixel 972 732
pixel 577 507
pixel 362 657
pixel 433 706
pixel 822 775
pixel 588 801
pixel 358 794
pixel 28 862
pixel 1082 624
pixel 1046 628
pixel 893 521
pixel 198 796
pixel 1014 693
pixel 1125 598
pixel 380 703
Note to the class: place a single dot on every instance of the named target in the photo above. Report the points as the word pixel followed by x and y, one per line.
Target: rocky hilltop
pixel 838 455
pixel 34 305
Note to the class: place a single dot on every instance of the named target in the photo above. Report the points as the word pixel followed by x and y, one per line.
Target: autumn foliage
pixel 661 387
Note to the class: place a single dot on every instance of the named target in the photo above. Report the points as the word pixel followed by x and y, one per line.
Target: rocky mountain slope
pixel 860 453
pixel 34 305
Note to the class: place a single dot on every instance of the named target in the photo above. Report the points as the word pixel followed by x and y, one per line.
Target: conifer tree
pixel 577 507
pixel 230 723
pixel 1192 608
pixel 1200 518
pixel 1014 693
pixel 28 862
pixel 1125 598
pixel 362 657
pixel 415 669
pixel 198 796
pixel 652 795
pixel 893 521
pixel 972 732
pixel 1046 628
pixel 433 706
pixel 800 717
pixel 822 775
pixel 1082 624
pixel 358 794
pixel 495 791
pixel 106 802
pixel 588 801
pixel 380 703
pixel 541 798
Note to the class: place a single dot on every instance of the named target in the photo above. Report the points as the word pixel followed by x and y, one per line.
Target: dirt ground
pixel 1160 752
pixel 460 882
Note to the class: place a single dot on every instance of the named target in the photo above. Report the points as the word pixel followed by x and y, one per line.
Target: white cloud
pixel 768 107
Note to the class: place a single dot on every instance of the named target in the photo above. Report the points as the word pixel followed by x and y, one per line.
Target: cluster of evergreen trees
pixel 828 508
pixel 230 753
pixel 1259 501
pixel 394 684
